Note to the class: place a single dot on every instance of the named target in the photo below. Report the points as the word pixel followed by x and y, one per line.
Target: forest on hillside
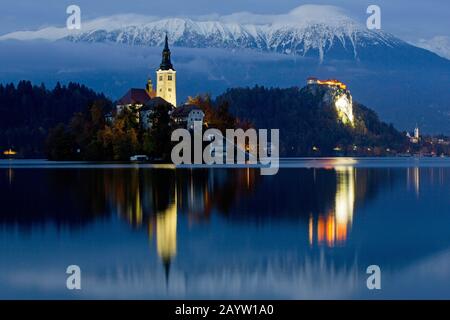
pixel 309 126
pixel 27 112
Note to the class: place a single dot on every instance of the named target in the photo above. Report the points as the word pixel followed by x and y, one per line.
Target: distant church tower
pixel 416 132
pixel 166 78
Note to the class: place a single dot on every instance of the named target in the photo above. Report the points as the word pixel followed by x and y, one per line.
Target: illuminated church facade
pixel 166 86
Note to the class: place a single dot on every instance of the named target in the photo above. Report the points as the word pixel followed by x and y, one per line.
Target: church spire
pixel 166 87
pixel 166 44
pixel 166 64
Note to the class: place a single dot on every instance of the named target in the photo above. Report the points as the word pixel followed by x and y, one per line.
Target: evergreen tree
pixel 27 112
pixel 158 143
pixel 60 144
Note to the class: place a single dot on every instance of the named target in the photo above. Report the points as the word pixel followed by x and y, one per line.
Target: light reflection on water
pixel 332 228
pixel 158 232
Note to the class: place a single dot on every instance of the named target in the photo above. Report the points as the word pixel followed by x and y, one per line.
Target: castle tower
pixel 166 77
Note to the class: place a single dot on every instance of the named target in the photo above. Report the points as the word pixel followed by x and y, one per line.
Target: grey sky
pixel 409 19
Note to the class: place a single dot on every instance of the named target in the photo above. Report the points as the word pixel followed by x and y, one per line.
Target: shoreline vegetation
pixel 89 136
pixel 69 123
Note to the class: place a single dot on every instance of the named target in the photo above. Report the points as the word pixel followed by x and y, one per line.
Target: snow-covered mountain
pixel 307 30
pixel 438 44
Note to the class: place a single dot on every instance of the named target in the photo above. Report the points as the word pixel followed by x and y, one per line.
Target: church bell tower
pixel 166 77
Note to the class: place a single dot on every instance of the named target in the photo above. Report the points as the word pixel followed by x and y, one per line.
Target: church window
pixel 169 78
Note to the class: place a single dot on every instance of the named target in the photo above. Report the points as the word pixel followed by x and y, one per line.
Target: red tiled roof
pixel 154 102
pixel 135 96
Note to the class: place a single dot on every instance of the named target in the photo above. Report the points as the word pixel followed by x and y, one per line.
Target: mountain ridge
pixel 306 29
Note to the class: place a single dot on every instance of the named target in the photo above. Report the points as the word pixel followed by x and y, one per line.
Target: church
pixel 142 101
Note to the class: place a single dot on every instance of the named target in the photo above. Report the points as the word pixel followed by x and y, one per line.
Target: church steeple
pixel 166 44
pixel 166 87
pixel 166 64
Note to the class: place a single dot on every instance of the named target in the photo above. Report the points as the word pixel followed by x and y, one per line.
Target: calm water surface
pixel 142 231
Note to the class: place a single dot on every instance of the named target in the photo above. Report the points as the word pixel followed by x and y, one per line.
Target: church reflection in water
pixel 166 235
pixel 153 199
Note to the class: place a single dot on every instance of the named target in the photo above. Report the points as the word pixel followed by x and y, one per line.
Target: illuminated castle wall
pixel 339 95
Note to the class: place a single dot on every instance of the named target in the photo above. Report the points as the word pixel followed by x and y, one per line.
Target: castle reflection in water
pixel 332 228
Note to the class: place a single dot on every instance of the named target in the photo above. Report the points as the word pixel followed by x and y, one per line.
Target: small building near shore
pixel 186 115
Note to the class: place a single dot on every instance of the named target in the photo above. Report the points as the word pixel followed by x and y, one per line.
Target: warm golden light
pixel 333 228
pixel 166 232
pixel 332 82
pixel 138 206
pixel 330 234
pixel 9 152
pixel 320 230
pixel 333 163
pixel 345 194
pixel 344 108
pixel 413 178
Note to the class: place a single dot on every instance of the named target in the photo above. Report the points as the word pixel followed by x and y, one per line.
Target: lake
pixel 160 232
